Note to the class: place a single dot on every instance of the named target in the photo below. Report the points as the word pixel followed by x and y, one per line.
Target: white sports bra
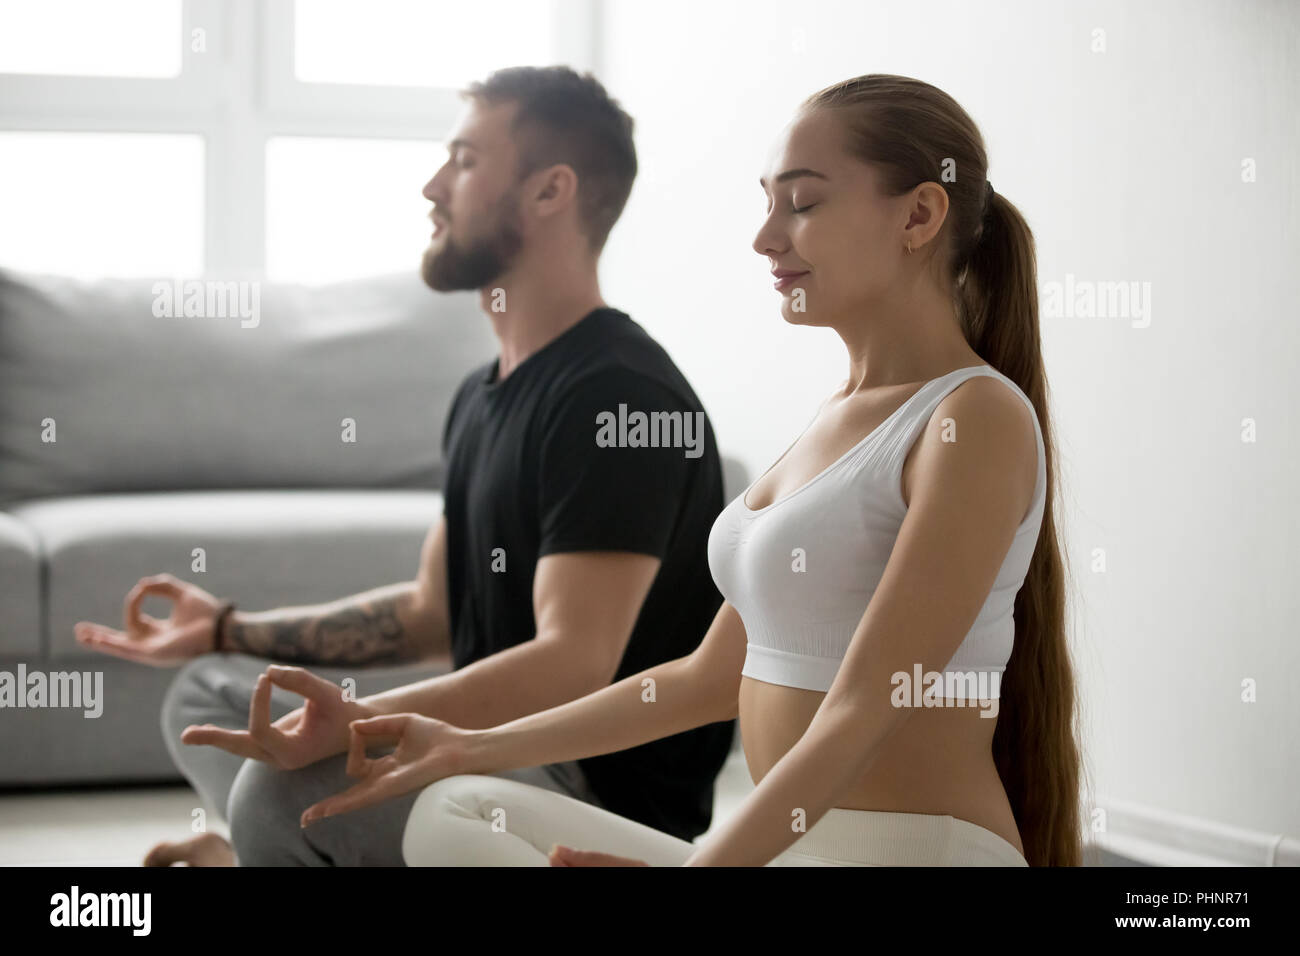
pixel 801 571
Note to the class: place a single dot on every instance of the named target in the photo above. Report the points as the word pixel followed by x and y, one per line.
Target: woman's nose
pixel 768 241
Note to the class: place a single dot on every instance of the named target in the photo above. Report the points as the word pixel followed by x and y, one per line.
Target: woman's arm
pixel 968 499
pixel 667 699
pixel 698 689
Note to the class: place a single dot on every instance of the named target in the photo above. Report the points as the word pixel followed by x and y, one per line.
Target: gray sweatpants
pixel 263 804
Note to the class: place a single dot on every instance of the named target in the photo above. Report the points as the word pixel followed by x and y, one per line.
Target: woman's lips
pixel 786 282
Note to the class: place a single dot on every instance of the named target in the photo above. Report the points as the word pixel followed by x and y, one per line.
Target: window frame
pixel 239 93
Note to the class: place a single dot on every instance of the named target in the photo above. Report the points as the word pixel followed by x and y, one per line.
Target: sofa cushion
pixel 20 588
pixel 262 549
pixel 143 402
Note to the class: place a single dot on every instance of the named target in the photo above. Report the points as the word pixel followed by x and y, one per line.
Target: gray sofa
pixel 179 440
pixel 133 442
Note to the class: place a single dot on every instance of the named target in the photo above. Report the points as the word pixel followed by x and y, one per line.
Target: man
pixel 563 561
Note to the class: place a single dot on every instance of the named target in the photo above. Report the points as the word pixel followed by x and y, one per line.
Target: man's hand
pixel 185 634
pixel 427 750
pixel 314 731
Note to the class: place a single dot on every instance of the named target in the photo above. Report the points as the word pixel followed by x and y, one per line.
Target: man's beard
pixel 454 267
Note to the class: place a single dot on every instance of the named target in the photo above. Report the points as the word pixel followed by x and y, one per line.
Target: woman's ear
pixel 926 211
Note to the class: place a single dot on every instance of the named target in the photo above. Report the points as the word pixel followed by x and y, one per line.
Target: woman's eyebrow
pixel 794 174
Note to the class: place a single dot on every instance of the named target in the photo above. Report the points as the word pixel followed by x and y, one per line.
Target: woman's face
pixel 828 225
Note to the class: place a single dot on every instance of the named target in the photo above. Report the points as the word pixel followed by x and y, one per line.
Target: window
pixel 341 209
pixel 283 138
pixel 91 204
pixel 91 38
pixel 412 43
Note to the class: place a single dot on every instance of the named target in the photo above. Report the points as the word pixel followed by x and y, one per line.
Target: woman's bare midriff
pixel 940 760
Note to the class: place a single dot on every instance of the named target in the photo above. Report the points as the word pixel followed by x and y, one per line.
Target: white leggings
pixel 480 820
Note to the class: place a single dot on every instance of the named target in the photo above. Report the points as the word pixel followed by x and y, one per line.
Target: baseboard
pixel 1162 838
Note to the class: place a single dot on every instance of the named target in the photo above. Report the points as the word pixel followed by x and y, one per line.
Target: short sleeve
pixel 602 486
pixel 453 406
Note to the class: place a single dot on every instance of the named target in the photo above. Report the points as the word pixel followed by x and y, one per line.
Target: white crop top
pixel 845 520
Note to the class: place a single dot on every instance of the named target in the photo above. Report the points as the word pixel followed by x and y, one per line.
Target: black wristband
pixel 219 623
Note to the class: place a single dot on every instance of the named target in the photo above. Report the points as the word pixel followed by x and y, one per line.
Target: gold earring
pixel 909 247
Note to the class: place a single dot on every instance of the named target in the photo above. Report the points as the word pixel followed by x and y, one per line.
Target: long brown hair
pixel 914 133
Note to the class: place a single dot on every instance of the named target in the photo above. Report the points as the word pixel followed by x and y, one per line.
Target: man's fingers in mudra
pixel 266 735
pixel 238 742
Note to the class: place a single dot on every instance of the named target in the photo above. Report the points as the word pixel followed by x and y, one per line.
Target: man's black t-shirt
pixel 555 459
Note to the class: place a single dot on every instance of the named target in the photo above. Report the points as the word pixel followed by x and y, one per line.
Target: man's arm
pixel 397 623
pixel 606 520
pixel 585 604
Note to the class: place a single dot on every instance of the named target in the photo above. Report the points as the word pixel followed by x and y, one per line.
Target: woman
pixel 906 532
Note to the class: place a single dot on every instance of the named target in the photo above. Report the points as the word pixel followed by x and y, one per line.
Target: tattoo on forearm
pixel 369 633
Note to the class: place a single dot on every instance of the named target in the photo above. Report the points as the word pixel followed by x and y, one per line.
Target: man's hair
pixel 566 118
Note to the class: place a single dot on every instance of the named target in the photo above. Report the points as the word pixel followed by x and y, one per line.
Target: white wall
pixel 1127 164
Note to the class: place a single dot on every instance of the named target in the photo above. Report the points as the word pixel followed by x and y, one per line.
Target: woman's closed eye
pixel 793 208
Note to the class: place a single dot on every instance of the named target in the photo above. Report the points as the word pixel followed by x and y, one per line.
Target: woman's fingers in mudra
pixel 378 778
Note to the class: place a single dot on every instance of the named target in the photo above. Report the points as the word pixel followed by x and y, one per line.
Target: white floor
pixel 93 827
pixel 116 827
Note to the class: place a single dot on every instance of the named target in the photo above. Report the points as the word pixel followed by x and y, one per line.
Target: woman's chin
pixel 795 316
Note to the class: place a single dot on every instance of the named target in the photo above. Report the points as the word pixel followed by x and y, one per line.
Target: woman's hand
pixel 427 750
pixel 568 856
pixel 316 730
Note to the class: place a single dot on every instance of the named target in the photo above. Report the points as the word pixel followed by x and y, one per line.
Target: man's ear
pixel 554 189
